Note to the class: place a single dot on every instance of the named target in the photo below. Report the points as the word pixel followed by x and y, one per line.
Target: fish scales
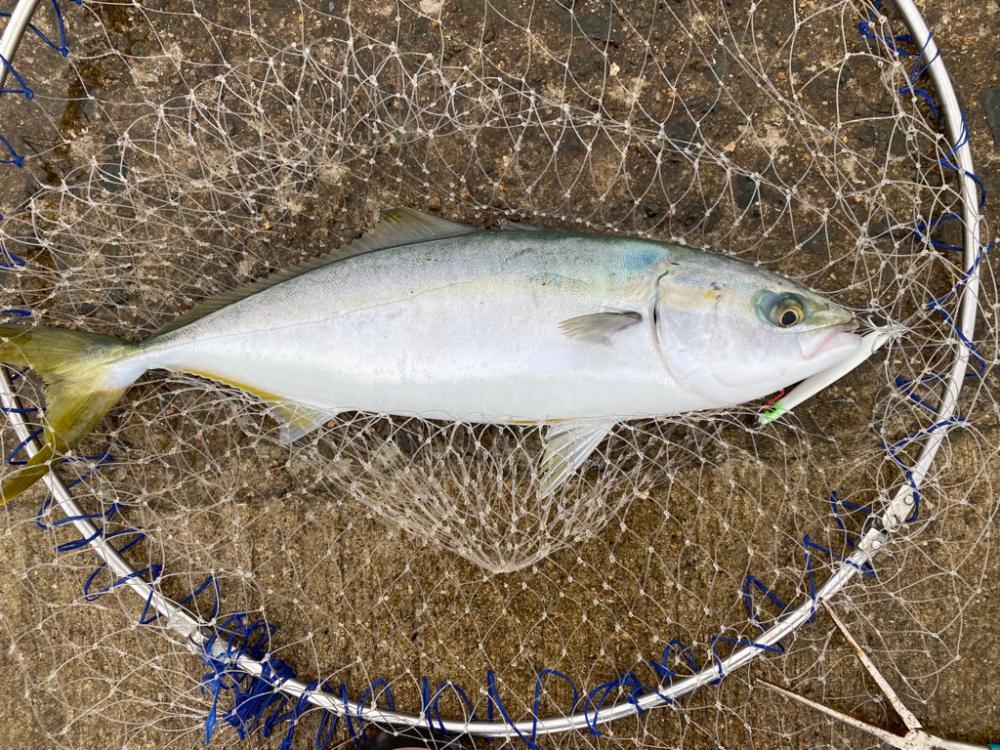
pixel 463 328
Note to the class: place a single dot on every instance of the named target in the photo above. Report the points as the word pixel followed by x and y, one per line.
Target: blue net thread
pixel 59 45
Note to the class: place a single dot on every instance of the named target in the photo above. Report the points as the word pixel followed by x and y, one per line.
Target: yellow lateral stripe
pixel 293 413
pixel 246 387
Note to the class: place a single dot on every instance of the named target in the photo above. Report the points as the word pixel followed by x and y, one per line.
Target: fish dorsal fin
pixel 399 226
pixel 567 446
pixel 404 226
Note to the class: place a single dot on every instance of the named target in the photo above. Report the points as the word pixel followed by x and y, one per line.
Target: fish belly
pixel 462 329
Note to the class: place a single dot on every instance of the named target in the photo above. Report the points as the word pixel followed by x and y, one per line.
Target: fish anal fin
pixel 399 226
pixel 597 328
pixel 296 419
pixel 567 446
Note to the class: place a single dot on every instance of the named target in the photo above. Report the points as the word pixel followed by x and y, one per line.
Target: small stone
pixel 703 105
pixel 111 168
pixel 587 62
pixel 865 135
pixel 745 190
pixel 948 234
pixel 894 140
pixel 601 27
pixel 816 243
pixel 720 65
pixel 682 132
pixel 423 29
pixel 434 203
pixel 232 122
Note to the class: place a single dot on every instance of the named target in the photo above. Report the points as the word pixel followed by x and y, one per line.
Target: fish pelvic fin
pixel 82 384
pixel 567 446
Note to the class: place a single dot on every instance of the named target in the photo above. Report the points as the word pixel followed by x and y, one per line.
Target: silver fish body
pixel 465 328
pixel 432 319
pixel 471 328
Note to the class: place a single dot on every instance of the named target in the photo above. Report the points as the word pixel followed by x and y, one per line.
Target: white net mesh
pixel 181 150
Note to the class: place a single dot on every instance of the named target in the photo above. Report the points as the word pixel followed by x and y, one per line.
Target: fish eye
pixel 788 311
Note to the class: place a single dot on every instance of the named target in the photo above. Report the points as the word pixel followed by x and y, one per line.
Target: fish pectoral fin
pixel 567 446
pixel 598 327
pixel 297 420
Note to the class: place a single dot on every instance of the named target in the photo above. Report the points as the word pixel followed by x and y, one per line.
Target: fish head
pixel 734 333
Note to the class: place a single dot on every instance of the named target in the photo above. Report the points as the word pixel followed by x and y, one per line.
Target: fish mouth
pixel 837 337
pixel 832 315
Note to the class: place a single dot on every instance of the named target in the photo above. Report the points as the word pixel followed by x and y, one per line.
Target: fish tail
pixel 83 381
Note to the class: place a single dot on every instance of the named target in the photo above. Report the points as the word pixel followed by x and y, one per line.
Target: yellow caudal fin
pixel 82 385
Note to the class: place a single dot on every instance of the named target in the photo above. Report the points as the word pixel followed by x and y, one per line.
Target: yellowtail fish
pixel 424 317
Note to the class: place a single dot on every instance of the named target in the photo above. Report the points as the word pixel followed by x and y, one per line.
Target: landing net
pixel 156 154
